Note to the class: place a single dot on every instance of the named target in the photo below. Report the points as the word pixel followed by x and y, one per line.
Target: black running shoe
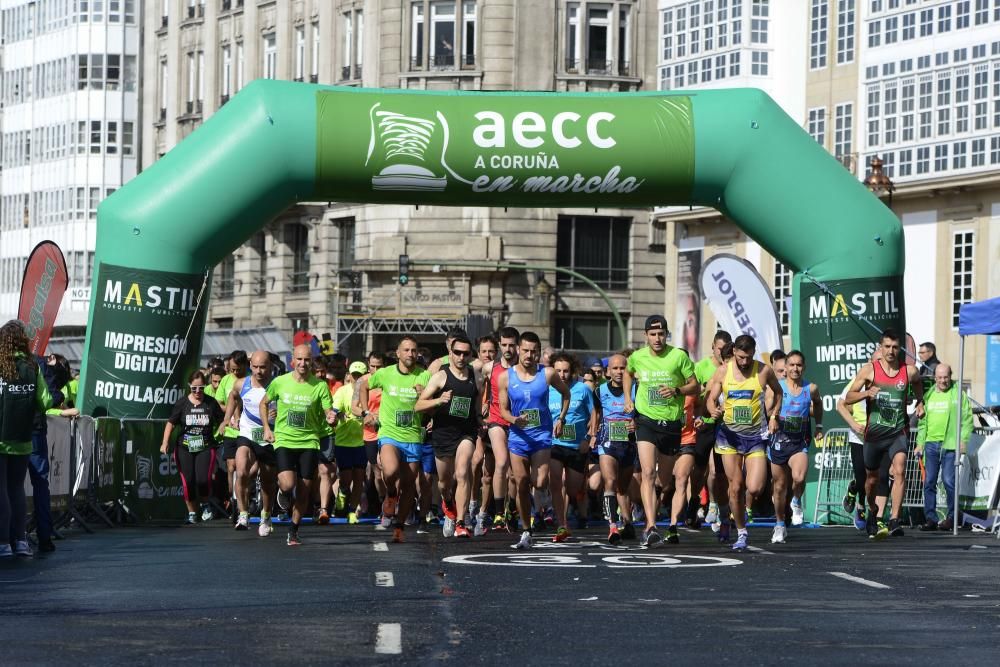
pixel 895 528
pixel 871 525
pixel 628 531
pixel 672 536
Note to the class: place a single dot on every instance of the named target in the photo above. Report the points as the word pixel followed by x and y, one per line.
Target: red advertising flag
pixel 45 281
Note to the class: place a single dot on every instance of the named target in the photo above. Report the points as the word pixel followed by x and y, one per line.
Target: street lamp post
pixel 877 181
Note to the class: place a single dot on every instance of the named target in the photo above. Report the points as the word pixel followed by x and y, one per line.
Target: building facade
pixel 69 133
pixel 331 268
pixel 913 82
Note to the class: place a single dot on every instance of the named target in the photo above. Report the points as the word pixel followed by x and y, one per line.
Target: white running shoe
pixel 243 522
pixel 23 549
pixel 796 512
pixel 716 526
pixel 448 527
pixel 206 513
pixel 713 514
pixel 779 535
pixel 265 528
pixel 482 524
pixel 524 542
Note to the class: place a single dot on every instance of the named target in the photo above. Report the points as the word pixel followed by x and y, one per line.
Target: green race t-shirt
pixel 672 368
pixel 703 372
pixel 397 418
pixel 348 426
pixel 301 411
pixel 222 396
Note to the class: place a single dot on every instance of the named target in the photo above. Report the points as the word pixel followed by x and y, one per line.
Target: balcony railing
pixel 224 288
pixel 443 60
pixel 357 71
pixel 227 5
pixel 624 68
pixel 298 282
pixel 345 72
pixel 313 78
pixel 223 99
pixel 598 66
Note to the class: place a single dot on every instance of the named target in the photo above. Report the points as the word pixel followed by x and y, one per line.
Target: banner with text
pixel 687 312
pixel 42 289
pixel 503 148
pixel 142 359
pixel 833 336
pixel 741 301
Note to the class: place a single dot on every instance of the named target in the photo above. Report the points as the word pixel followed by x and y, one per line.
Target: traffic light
pixel 404 269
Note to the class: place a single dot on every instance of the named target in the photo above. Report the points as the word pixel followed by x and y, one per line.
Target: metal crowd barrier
pixel 835 474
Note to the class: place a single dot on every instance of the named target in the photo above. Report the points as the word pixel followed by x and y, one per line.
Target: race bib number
pixel 194 443
pixel 534 419
pixel 297 418
pixel 404 418
pixel 257 434
pixel 888 410
pixel 653 396
pixel 568 433
pixel 776 445
pixel 460 407
pixel 742 414
pixel 792 424
pixel 618 431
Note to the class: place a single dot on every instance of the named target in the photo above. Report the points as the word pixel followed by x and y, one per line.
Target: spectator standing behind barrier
pixel 56 375
pixel 936 442
pixel 199 418
pixel 928 359
pixel 23 394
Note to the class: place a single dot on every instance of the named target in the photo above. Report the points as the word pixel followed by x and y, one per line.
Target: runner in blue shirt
pixel 617 449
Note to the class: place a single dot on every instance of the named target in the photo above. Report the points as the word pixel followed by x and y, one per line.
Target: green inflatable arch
pixel 277 143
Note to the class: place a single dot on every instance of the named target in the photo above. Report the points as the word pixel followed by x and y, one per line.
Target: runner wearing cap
pixel 665 374
pixel 349 445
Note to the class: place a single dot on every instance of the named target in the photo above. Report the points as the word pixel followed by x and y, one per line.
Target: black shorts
pixel 570 457
pixel 446 446
pixel 666 436
pixel 326 453
pixel 875 450
pixel 704 445
pixel 303 462
pixel 229 448
pixel 263 453
pixel 371 451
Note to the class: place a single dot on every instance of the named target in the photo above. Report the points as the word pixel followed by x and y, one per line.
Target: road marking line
pixel 859 580
pixel 389 638
pixel 384 579
pixel 760 551
pixel 380 546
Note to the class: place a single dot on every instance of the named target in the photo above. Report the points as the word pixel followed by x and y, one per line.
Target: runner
pixel 238 366
pixel 884 384
pixel 198 419
pixel 483 461
pixel 375 486
pixel 679 468
pixel 788 450
pixel 708 465
pixel 856 418
pixel 497 428
pixel 523 391
pixel 243 407
pixel 303 400
pixel 617 450
pixel 741 436
pixel 451 397
pixel 399 431
pixel 349 448
pixel 333 371
pixel 571 448
pixel 665 375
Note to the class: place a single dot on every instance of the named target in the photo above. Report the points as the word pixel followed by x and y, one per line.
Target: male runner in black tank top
pixel 451 398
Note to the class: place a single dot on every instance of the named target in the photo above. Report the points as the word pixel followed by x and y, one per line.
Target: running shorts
pixel 875 450
pixel 264 453
pixel 326 454
pixel 410 452
pixel 571 457
pixel 350 457
pixel 665 435
pixel 622 451
pixel 229 448
pixel 303 462
pixel 781 449
pixel 524 449
pixel 371 451
pixel 427 459
pixel 704 444
pixel 749 446
pixel 447 450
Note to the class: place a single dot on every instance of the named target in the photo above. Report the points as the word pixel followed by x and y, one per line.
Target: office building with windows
pixel 330 267
pixel 915 83
pixel 69 134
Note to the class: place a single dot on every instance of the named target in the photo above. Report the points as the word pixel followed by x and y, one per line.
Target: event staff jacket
pixel 20 400
pixel 938 423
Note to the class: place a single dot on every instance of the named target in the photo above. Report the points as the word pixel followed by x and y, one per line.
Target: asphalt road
pixel 209 595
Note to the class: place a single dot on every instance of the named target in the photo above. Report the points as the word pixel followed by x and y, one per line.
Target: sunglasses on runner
pixel 197 387
pixel 462 353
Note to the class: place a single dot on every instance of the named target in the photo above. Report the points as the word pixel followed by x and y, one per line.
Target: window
pixel 417 35
pixel 845 31
pixel 111 145
pixel 164 88
pixel 595 246
pixel 297 239
pixel 782 294
pixel 734 64
pixel 909 26
pixel 962 275
pixel 927 23
pixel 239 66
pixel 314 56
pixel 270 68
pixel 345 245
pixel 259 264
pixel 300 53
pixel 961 14
pixel 468 34
pixel 978 152
pixel 227 72
pixel 226 281
pixel 982 11
pixel 128 138
pixel 941 157
pixel 625 40
pixel 586 332
pixel 345 72
pixel 758 63
pixel 817 125
pixel 758 21
pixel 843 132
pixel 818 33
pixel 443 34
pixel 192 80
pixel 944 18
pixel 959 152
pixel 891 30
pixel 598 40
pixel 923 159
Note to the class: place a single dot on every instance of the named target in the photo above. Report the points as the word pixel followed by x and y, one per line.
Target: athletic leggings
pixel 860 473
pixel 196 471
pixel 13 506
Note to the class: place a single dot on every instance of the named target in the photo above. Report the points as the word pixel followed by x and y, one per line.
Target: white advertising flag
pixel 741 301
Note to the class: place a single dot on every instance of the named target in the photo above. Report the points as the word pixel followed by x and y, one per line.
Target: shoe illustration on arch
pixel 402 148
